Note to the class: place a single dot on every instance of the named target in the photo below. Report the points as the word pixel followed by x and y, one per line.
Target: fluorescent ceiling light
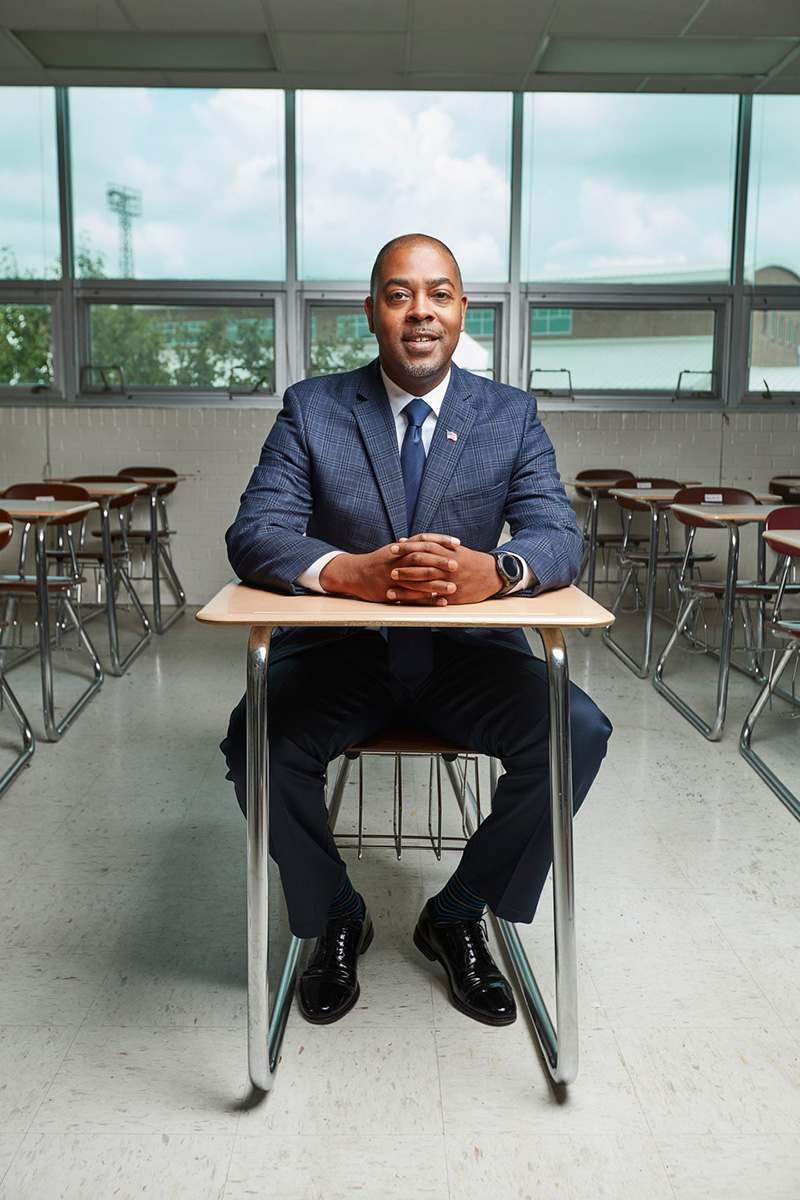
pixel 663 56
pixel 149 51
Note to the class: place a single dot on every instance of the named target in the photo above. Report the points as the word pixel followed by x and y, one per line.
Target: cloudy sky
pixel 623 186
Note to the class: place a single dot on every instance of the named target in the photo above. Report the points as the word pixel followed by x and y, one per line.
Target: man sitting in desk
pixel 392 484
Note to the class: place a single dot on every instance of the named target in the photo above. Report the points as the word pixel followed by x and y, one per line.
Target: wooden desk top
pixel 647 495
pixel 792 481
pixel 237 604
pixel 160 480
pixel 736 514
pixel 783 540
pixel 47 509
pixel 103 487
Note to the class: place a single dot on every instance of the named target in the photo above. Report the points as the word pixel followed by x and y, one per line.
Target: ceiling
pixel 463 45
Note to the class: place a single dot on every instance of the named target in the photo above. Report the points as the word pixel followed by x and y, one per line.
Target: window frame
pixel 771 300
pixel 652 298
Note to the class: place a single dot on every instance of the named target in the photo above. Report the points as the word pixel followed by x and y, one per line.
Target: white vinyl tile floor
pixel 122 991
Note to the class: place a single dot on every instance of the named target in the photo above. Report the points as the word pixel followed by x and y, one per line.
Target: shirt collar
pixel 399 398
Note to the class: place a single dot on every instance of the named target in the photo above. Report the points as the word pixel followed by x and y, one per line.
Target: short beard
pixel 418 370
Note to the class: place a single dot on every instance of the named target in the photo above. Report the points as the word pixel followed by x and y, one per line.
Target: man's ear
pixel 463 312
pixel 368 311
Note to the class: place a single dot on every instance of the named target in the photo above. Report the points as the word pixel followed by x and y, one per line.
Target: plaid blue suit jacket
pixel 329 478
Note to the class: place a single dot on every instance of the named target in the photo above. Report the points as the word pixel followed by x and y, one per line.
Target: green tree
pixel 343 352
pixel 26 336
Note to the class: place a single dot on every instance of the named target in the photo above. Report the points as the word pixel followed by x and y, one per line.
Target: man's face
pixel 417 315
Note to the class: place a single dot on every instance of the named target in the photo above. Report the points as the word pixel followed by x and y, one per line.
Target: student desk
pixel 40 513
pixel 730 517
pixel 549 613
pixel 156 485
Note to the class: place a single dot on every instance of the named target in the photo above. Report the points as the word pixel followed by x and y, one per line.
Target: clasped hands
pixel 426 569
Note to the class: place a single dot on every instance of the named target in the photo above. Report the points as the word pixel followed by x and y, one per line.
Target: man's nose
pixel 420 308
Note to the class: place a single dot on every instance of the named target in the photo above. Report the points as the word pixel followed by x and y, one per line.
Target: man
pixel 392 484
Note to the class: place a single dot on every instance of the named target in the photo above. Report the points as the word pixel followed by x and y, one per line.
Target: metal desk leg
pixel 118 665
pixel 23 725
pixel 264 1031
pixel 560 1049
pixel 780 789
pixel 157 553
pixel 53 729
pixel 641 669
pixel 712 732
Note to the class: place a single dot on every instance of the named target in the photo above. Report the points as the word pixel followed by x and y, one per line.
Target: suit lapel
pixel 456 417
pixel 375 420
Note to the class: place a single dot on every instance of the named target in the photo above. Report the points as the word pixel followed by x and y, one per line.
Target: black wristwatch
pixel 509 568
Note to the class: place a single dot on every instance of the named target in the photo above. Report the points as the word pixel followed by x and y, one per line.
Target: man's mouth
pixel 421 337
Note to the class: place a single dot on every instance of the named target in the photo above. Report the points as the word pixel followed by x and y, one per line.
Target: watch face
pixel 509 567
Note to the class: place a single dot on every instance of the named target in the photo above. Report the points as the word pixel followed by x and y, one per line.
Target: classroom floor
pixel 122 989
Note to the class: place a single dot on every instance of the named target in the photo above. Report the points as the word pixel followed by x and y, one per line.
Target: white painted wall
pixel 217 448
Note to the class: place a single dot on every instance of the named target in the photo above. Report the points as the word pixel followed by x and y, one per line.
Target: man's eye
pixel 441 295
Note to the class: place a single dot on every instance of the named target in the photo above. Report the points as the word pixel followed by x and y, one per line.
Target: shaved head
pixel 407 241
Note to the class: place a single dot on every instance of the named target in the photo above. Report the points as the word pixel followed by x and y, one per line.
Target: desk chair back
pixel 5 534
pixel 788 492
pixel 787 517
pixel 153 473
pixel 50 491
pixel 709 495
pixel 606 475
pixel 645 484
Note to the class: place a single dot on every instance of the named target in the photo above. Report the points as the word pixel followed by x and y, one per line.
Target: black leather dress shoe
pixel 329 985
pixel 477 986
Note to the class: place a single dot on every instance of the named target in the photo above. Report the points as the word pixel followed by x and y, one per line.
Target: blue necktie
pixel 411 650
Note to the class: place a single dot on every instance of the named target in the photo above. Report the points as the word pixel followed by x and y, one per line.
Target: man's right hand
pixel 369 576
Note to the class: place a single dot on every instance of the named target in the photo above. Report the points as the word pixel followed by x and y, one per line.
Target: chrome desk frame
pixel 559 1042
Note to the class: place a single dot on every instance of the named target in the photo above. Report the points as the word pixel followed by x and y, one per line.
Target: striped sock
pixel 346 903
pixel 457 902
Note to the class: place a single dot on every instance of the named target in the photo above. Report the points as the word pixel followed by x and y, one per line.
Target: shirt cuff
pixel 310 577
pixel 527 576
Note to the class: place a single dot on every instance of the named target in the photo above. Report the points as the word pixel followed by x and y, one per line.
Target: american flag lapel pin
pixel 452 436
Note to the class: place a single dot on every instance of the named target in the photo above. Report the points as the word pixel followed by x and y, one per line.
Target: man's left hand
pixel 475 578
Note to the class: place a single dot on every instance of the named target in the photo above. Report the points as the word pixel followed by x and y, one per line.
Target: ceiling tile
pixel 148 51
pixel 476 16
pixel 444 52
pixel 66 14
pixel 197 15
pixel 743 18
pixel 582 18
pixel 13 57
pixel 342 51
pixel 358 16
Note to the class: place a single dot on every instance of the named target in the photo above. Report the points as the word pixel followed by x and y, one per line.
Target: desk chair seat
pixel 789 631
pixel 157 537
pixel 62 588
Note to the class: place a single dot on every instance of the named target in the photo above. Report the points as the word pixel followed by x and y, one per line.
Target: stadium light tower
pixel 126 202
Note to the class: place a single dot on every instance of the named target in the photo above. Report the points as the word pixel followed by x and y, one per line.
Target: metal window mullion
pixel 512 364
pixel 734 378
pixel 289 365
pixel 65 346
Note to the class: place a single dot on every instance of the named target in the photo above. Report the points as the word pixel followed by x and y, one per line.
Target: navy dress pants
pixel 490 698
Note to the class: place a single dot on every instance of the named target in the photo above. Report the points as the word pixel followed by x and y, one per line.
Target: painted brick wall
pixel 217 448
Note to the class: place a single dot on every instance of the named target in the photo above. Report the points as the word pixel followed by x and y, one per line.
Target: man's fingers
pixel 407 596
pixel 427 556
pixel 404 574
pixel 438 542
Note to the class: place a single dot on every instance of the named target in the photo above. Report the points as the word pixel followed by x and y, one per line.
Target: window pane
pixel 29 233
pixel 773 201
pixel 340 340
pixel 373 165
pixel 774 353
pixel 26 345
pixel 628 188
pixel 178 183
pixel 169 346
pixel 623 350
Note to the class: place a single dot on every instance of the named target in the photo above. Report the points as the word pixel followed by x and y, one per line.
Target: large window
pixel 177 183
pixel 773 203
pixel 628 188
pixel 622 350
pixel 29 230
pixel 374 165
pixel 169 346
